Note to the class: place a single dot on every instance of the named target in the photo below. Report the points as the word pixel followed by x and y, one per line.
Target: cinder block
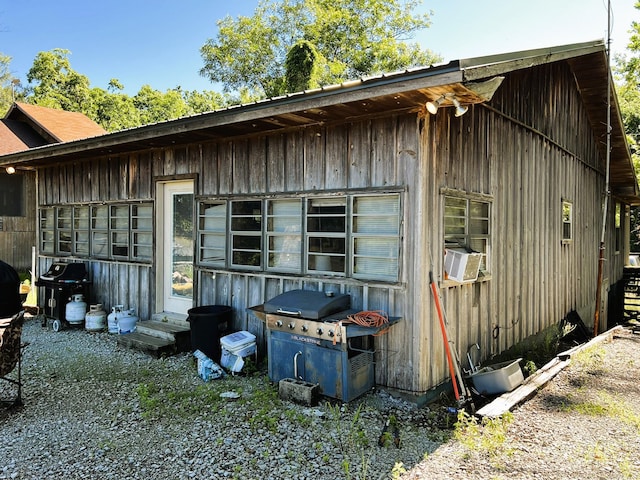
pixel 299 391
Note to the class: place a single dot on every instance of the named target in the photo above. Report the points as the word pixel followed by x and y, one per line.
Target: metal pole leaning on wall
pixel 605 207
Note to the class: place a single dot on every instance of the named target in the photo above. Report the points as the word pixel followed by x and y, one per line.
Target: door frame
pixel 161 212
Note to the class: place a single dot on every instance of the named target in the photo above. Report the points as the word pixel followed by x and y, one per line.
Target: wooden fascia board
pixel 485 67
pixel 271 108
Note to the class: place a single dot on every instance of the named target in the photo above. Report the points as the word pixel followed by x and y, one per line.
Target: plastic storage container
pixel 235 347
pixel 498 378
pixel 209 323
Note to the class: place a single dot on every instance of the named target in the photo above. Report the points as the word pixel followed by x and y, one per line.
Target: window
pixel 119 219
pixel 376 236
pixel 352 235
pixel 246 233
pixel 212 225
pixel 142 232
pixel 63 229
pixel 466 225
pixel 118 231
pixel 327 235
pixel 284 235
pixel 100 231
pixel 81 231
pixel 47 230
pixel 11 195
pixel 567 221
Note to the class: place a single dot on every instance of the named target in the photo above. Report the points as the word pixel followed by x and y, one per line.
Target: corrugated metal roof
pixel 383 94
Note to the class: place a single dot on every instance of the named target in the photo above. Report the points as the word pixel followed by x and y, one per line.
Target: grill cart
pixel 307 341
pixel 61 282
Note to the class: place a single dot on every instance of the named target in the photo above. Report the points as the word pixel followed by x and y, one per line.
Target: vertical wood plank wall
pixel 18 234
pixel 529 148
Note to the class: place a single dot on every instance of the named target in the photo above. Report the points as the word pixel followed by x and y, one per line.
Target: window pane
pixel 212 224
pixel 246 233
pixel 11 195
pixel 326 235
pixel 567 220
pixel 376 225
pixel 467 225
pixel 284 234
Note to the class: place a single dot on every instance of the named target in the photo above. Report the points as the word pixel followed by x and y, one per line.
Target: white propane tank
pixel 76 310
pixel 127 321
pixel 112 319
pixel 96 318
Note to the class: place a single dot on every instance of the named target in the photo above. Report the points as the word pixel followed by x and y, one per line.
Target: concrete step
pixel 157 347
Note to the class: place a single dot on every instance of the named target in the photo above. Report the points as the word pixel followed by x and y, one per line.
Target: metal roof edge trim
pixel 475 67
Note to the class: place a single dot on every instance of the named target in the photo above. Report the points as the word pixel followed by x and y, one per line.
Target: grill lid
pixel 308 303
pixel 65 271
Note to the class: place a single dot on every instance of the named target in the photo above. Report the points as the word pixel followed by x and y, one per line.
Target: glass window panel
pixel 246 233
pixel 284 235
pixel 212 224
pixel 100 217
pixel 100 244
pixel 467 225
pixel 567 221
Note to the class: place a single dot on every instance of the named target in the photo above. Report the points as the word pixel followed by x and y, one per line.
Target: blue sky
pixel 157 42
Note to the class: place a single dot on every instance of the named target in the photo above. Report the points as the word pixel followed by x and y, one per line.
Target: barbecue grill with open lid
pixel 60 282
pixel 307 340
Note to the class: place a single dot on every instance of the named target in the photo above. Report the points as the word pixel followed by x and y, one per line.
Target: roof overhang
pixel 471 80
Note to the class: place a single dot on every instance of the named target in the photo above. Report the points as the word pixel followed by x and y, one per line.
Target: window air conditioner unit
pixel 462 266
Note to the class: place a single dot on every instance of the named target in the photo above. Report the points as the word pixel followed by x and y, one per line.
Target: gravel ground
pixel 93 409
pixel 584 424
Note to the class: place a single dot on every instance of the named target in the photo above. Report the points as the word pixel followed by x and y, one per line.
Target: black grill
pixel 60 282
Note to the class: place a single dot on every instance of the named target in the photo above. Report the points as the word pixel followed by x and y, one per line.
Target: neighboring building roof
pixel 471 80
pixel 17 136
pixel 59 125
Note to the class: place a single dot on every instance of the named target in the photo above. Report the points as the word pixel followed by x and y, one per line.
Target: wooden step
pixel 157 347
pixel 167 330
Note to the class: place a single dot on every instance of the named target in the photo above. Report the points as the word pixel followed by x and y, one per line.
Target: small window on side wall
pixel 567 221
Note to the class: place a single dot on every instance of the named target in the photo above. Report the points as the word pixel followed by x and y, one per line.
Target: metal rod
pixel 605 207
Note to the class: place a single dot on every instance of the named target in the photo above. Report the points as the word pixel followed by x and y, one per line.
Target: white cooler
pixel 235 347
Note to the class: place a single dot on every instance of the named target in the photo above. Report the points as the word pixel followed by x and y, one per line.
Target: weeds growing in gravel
pixel 353 440
pixel 607 405
pixel 485 436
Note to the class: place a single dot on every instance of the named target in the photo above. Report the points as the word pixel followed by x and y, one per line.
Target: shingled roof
pixel 26 126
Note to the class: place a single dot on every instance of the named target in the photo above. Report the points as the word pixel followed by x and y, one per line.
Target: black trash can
pixel 10 302
pixel 209 323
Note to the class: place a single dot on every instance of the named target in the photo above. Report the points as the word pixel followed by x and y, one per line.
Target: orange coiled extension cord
pixel 371 318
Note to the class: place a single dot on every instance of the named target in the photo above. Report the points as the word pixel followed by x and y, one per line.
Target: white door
pixel 176 246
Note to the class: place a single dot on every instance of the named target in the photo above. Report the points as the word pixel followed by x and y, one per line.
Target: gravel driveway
pixel 96 410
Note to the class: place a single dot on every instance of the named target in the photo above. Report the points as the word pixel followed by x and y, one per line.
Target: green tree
pixel 352 37
pixel 302 67
pixel 56 84
pixel 628 86
pixel 9 85
pixel 155 106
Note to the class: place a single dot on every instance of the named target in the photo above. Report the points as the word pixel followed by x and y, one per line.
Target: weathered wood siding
pixel 528 149
pixel 18 234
